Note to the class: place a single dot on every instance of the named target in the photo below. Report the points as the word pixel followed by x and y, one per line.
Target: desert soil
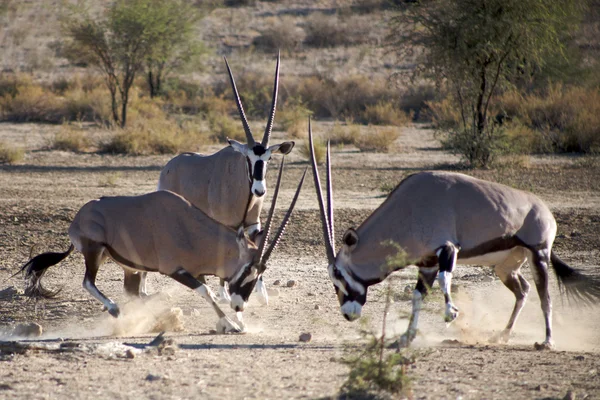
pixel 84 353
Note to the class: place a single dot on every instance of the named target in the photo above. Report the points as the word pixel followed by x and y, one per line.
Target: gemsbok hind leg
pixel 427 276
pixel 540 261
pixel 94 257
pixel 509 273
pixel 225 324
pixel 135 283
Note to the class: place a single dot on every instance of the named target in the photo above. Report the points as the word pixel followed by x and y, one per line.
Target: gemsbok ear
pixel 283 148
pixel 237 146
pixel 350 239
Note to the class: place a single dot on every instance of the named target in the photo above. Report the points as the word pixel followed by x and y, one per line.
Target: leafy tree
pixel 128 36
pixel 472 47
pixel 176 46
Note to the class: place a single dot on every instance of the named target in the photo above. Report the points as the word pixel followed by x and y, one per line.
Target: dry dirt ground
pixel 84 353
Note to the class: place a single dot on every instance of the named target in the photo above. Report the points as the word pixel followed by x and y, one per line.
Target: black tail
pixel 575 284
pixel 35 269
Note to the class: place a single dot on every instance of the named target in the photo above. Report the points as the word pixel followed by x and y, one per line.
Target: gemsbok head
pixel 440 219
pixel 183 243
pixel 258 154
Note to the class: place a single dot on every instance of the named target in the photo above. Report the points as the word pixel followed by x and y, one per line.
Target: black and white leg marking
pixel 427 276
pixel 185 278
pixel 447 255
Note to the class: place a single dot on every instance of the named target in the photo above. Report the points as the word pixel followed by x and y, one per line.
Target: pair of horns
pixel 262 256
pixel 269 128
pixel 326 217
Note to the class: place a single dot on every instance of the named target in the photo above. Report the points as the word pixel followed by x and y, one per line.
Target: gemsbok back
pixel 440 219
pixel 220 184
pixel 163 232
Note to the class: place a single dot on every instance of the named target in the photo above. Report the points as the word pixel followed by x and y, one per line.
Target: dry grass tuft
pixel 344 134
pixel 333 31
pixel 379 141
pixel 293 119
pixel 10 155
pixel 385 113
pixel 223 127
pixel 71 138
pixel 320 149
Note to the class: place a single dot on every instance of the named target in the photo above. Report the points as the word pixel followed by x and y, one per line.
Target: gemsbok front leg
pixel 225 325
pixel 447 255
pixel 427 276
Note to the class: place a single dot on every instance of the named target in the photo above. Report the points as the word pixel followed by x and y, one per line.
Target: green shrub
pixel 380 140
pixel 320 147
pixel 223 127
pixel 293 118
pixel 332 31
pixel 10 155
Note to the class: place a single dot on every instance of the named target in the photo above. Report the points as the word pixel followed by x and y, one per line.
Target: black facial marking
pixel 236 287
pixel 259 170
pixel 259 150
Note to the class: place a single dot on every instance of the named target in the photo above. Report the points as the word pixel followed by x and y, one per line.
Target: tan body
pixel 218 184
pixel 159 231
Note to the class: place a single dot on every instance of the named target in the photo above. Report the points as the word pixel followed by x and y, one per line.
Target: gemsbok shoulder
pixel 440 219
pixel 220 184
pixel 163 232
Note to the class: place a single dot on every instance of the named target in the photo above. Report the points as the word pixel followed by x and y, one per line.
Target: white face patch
pixel 237 302
pixel 346 279
pixel 253 275
pixel 351 310
pixel 259 187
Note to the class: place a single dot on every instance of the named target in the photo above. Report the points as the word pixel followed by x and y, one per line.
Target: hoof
pixel 451 314
pixel 114 311
pixel 543 346
pixel 226 325
pixel 404 341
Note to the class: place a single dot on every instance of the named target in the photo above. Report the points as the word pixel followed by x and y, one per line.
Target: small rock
pixel 488 279
pixel 579 358
pixel 277 283
pixel 273 292
pixel 570 396
pixel 30 329
pixel 152 378
pixel 310 294
pixel 305 337
pixel 317 307
pixel 575 234
pixel 291 283
pixel 129 354
pixel 408 289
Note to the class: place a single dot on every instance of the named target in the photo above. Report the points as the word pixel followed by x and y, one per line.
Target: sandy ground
pixel 84 353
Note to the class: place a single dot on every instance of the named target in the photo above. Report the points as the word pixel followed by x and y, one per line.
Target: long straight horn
pixel 284 222
pixel 265 140
pixel 271 212
pixel 330 194
pixel 324 222
pixel 240 108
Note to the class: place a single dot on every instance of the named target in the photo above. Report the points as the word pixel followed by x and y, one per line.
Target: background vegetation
pixel 152 72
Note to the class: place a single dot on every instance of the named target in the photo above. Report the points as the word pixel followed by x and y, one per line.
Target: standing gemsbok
pixel 220 184
pixel 438 218
pixel 163 232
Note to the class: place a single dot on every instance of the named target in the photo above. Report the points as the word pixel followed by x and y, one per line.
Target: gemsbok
pixel 220 184
pixel 440 219
pixel 163 232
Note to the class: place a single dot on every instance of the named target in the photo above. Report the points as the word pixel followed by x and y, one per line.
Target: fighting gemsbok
pixel 163 232
pixel 439 219
pixel 220 184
